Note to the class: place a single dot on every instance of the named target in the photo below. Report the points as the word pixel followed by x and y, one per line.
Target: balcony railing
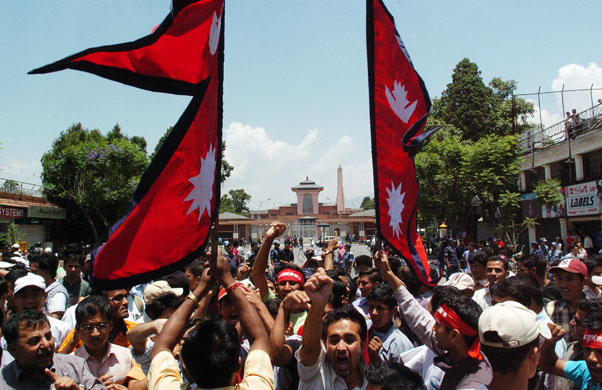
pixel 15 187
pixel 538 139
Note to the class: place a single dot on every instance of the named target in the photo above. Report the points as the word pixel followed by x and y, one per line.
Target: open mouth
pixel 233 319
pixel 342 364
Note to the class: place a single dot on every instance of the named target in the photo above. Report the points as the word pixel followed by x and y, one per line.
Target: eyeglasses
pixel 120 297
pixel 101 327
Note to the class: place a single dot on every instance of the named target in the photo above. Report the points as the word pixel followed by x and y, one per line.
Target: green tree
pixel 92 176
pixel 236 201
pixel 12 235
pixel 444 194
pixel 477 109
pixel 10 187
pixel 367 203
pixel 548 192
pixel 226 167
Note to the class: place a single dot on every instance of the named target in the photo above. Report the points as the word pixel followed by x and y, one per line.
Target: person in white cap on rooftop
pixel 510 337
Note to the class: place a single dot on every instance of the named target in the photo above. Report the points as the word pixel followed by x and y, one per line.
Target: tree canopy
pixel 92 175
pixel 367 203
pixel 236 201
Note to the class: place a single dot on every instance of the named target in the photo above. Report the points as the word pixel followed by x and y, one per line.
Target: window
pixel 592 165
pixel 308 205
pixel 532 176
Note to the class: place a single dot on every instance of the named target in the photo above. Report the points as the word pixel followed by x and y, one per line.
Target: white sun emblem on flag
pixel 202 193
pixel 395 200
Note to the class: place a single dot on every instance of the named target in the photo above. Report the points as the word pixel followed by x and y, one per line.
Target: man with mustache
pixel 36 366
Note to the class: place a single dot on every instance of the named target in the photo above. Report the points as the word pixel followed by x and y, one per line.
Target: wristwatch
pixel 326 252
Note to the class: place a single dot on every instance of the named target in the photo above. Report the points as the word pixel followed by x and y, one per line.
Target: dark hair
pixel 383 293
pixel 339 292
pixel 73 257
pixel 347 312
pixel 521 288
pixel 392 376
pixel 505 360
pixel 91 306
pixel 273 305
pixel 439 292
pixel 32 318
pixel 395 264
pixel 592 262
pixel 532 261
pixel 409 278
pixel 46 262
pixel 352 286
pixel 479 257
pixel 14 274
pixel 363 260
pixel 503 259
pixel 590 305
pixel 74 249
pixel 373 275
pixel 163 302
pixel 593 321
pixel 196 267
pixel 210 353
pixel 468 311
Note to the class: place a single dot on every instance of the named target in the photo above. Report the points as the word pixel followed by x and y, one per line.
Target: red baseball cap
pixel 574 266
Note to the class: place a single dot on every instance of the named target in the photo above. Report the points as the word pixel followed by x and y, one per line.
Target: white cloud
pixel 572 77
pixel 267 168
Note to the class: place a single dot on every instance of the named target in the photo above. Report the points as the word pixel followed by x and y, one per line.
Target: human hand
pixel 373 347
pixel 253 297
pixel 319 287
pixel 62 382
pixel 106 379
pixel 295 300
pixel 558 331
pixel 275 230
pixel 206 283
pixel 220 268
pixel 242 272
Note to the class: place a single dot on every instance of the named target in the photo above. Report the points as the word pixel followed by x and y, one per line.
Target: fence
pixel 9 186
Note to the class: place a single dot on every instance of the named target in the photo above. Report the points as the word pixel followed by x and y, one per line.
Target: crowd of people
pixel 260 319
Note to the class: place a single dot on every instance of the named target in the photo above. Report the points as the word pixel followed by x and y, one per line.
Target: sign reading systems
pixel 11 212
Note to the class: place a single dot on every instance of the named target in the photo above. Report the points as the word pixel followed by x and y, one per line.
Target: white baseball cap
pixel 515 324
pixel 30 280
pixel 158 287
pixel 461 281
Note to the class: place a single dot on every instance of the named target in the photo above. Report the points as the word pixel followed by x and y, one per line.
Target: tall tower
pixel 340 194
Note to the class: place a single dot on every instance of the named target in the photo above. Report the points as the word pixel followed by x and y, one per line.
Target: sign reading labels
pixel 583 199
pixel 46 212
pixel 11 212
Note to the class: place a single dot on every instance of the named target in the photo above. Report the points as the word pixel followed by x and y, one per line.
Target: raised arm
pixel 418 319
pixel 318 289
pixel 282 353
pixel 248 318
pixel 329 255
pixel 138 335
pixel 174 327
pixel 261 260
pixel 549 361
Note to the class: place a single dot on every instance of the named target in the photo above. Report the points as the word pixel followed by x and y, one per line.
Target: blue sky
pixel 295 88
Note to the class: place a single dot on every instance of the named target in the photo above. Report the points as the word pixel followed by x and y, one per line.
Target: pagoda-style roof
pixel 307 185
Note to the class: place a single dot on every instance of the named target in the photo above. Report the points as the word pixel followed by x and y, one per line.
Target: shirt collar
pixel 110 351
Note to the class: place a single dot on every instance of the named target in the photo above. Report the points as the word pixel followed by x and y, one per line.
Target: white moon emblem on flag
pixel 395 201
pixel 214 32
pixel 202 193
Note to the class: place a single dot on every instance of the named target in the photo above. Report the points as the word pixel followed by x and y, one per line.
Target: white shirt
pixel 482 297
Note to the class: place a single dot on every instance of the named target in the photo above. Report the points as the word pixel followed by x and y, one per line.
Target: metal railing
pixel 538 139
pixel 9 186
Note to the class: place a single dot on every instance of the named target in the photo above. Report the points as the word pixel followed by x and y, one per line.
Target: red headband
pixel 290 275
pixel 592 338
pixel 450 319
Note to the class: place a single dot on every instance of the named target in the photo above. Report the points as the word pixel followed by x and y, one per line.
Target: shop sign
pixel 11 212
pixel 584 199
pixel 46 212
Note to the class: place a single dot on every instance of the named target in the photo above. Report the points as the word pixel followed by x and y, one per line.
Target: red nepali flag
pixel 399 105
pixel 177 199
